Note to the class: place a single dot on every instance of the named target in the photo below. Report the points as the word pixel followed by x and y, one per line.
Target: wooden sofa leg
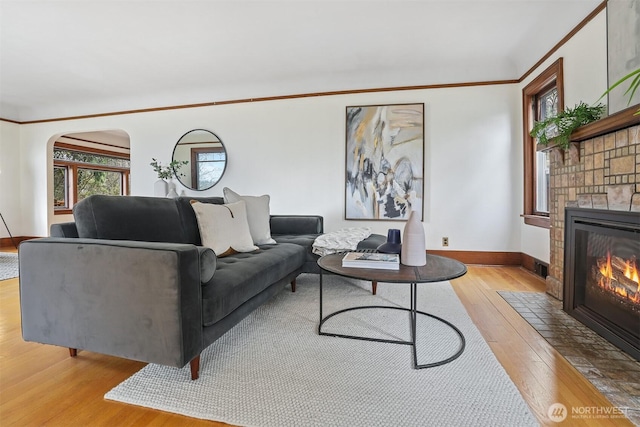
pixel 374 287
pixel 73 352
pixel 195 368
pixel 293 285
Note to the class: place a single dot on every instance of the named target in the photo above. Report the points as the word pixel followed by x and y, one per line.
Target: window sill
pixel 62 211
pixel 537 221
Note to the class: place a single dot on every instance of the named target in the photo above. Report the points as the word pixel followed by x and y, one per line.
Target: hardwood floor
pixel 42 385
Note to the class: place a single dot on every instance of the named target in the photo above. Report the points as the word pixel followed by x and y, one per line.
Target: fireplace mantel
pixel 610 124
pixel 615 122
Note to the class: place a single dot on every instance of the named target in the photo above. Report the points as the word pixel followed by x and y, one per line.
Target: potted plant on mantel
pixel 557 130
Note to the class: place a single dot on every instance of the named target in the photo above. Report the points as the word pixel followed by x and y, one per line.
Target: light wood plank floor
pixel 42 385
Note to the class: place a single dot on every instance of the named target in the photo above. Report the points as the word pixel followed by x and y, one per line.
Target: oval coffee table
pixel 437 269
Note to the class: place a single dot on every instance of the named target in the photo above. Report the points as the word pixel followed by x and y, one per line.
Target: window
pixel 207 166
pixel 79 172
pixel 546 105
pixel 541 98
pixel 60 188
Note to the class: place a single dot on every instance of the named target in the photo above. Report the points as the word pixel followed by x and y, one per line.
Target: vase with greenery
pixel 161 187
pixel 560 127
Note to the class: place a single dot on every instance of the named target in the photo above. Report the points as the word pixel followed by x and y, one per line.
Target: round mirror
pixel 203 159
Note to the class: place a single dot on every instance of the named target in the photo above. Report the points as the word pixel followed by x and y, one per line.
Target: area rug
pixel 273 369
pixel 8 265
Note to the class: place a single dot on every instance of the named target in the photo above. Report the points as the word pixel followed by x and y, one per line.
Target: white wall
pixel 585 79
pixel 10 188
pixel 294 150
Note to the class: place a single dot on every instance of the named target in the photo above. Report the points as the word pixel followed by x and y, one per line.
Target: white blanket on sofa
pixel 345 239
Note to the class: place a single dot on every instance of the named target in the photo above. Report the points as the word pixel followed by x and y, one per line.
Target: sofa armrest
pixel 64 229
pixel 137 300
pixel 208 263
pixel 297 224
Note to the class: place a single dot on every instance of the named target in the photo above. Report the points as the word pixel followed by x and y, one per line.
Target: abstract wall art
pixel 623 50
pixel 384 161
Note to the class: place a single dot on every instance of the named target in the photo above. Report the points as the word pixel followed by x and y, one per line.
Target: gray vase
pixel 414 250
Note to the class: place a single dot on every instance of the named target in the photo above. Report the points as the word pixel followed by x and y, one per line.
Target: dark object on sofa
pixel 130 279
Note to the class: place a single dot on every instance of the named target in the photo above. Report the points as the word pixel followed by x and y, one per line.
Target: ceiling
pixel 70 58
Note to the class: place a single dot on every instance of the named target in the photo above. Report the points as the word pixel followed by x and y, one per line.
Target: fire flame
pixel 630 272
pixel 606 271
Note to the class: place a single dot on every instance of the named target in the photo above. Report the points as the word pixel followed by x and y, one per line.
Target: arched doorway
pixel 86 163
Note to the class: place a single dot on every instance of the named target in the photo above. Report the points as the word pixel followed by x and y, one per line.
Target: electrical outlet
pixel 445 241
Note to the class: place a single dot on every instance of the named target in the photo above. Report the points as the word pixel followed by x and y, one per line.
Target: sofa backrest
pixel 148 219
pixel 151 219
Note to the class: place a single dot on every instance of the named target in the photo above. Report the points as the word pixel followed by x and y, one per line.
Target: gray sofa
pixel 130 279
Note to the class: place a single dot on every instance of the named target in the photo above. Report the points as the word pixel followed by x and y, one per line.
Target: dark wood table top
pixel 437 269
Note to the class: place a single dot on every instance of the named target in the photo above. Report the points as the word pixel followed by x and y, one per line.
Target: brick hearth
pixel 599 172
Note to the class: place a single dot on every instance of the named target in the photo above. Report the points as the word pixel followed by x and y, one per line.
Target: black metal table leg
pixel 413 314
pixel 320 324
pixel 414 304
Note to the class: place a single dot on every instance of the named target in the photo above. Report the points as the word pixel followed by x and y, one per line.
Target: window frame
pixel 66 179
pixel 72 173
pixel 195 174
pixel 530 93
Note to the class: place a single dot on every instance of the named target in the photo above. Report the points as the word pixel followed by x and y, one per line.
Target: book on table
pixel 371 260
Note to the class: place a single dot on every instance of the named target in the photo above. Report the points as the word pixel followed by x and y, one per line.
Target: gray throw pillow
pixel 258 215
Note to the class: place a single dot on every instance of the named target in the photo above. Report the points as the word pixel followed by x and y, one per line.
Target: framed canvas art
pixel 623 50
pixel 384 161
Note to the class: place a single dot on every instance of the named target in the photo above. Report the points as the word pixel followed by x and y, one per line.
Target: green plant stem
pixel 167 172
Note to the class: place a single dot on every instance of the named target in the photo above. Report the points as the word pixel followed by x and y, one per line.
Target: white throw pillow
pixel 258 215
pixel 224 228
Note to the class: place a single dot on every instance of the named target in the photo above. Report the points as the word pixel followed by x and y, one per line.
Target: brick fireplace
pixel 601 170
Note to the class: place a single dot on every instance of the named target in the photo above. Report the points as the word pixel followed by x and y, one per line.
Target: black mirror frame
pixel 225 161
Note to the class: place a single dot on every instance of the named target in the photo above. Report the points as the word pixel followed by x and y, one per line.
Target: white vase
pixel 172 190
pixel 414 250
pixel 160 188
